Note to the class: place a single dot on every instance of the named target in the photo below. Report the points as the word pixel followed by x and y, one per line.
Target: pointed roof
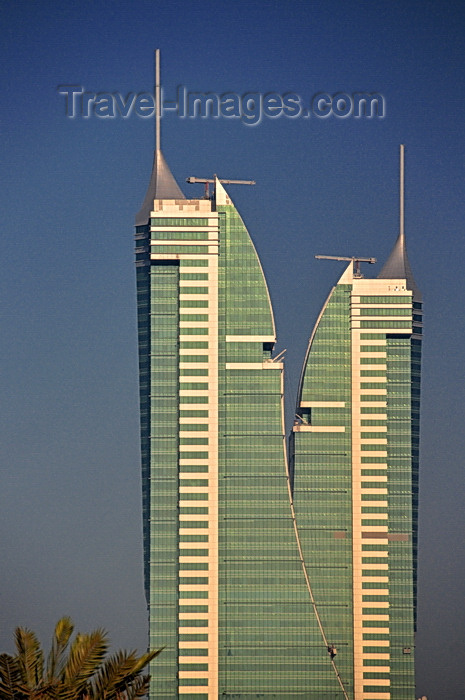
pixel 397 266
pixel 347 276
pixel 162 186
pixel 221 196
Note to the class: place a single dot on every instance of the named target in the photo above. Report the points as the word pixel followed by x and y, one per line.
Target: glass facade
pixel 266 631
pixel 223 573
pixel 263 579
pixel 354 465
pixel 321 477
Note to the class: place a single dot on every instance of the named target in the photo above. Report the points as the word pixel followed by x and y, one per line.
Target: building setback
pixel 260 581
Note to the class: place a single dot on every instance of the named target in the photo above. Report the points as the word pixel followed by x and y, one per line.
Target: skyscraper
pixel 354 471
pixel 223 577
pixel 256 576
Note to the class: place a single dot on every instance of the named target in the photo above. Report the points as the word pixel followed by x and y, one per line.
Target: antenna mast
pixel 402 195
pixel 157 100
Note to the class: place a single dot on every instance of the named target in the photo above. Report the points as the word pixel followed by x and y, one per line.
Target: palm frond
pixel 75 671
pixel 119 673
pixel 138 688
pixel 86 654
pixel 113 674
pixel 30 656
pixel 10 678
pixel 145 659
pixel 56 658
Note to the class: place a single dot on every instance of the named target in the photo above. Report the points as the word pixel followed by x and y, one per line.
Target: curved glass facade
pixel 322 479
pixel 264 581
pixel 224 583
pixel 355 474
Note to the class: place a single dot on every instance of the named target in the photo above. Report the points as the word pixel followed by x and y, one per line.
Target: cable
pixel 304 569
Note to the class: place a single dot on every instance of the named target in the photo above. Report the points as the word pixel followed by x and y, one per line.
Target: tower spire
pixel 157 101
pixel 397 265
pixel 162 184
pixel 402 191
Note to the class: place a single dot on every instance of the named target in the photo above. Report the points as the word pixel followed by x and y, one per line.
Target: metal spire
pixel 157 101
pixel 402 191
pixel 397 265
pixel 162 183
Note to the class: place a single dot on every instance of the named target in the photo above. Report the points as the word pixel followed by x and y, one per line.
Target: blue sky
pixel 70 509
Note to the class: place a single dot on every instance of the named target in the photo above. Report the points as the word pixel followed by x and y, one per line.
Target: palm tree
pixel 72 671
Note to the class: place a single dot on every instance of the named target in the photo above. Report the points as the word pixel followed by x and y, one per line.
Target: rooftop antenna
pixel 157 100
pixel 354 259
pixel 402 190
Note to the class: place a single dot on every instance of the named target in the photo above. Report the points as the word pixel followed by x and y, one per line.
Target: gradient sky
pixel 70 506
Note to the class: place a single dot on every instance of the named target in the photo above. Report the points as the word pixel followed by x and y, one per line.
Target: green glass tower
pixel 224 581
pixel 265 582
pixel 354 470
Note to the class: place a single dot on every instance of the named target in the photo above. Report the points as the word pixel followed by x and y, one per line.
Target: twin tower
pixel 274 568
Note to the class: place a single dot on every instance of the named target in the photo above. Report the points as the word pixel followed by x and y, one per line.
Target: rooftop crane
pixel 207 181
pixel 354 259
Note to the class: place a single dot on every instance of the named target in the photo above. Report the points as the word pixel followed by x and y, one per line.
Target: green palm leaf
pixel 138 688
pixel 145 659
pixel 114 675
pixel 119 673
pixel 56 658
pixel 30 657
pixel 10 678
pixel 86 654
pixel 76 672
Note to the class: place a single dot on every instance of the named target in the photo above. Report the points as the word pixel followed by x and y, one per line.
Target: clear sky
pixel 70 506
